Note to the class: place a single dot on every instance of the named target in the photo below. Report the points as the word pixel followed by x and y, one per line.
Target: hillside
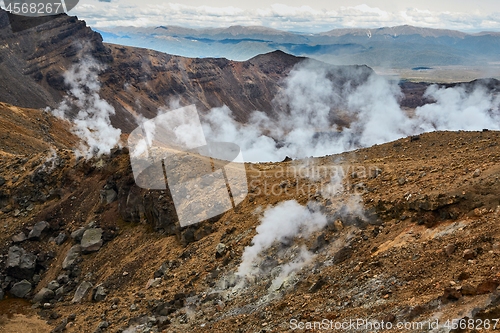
pixel 135 81
pixel 138 81
pixel 412 236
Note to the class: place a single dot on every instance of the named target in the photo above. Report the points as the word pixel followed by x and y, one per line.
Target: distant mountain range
pixel 394 47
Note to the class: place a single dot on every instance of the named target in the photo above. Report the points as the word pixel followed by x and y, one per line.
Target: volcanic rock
pixel 71 256
pixel 220 250
pixel 81 291
pixel 53 285
pixel 449 249
pixel 45 294
pixel 476 173
pixel 108 196
pixel 469 254
pixel 161 271
pixel 99 293
pixel 21 289
pixel 91 240
pixel 37 230
pixel 19 238
pixel 468 289
pixel 78 234
pixel 20 264
pixel 61 238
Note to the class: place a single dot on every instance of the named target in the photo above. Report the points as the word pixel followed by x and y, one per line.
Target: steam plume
pixel 92 122
pixel 286 220
pixel 323 117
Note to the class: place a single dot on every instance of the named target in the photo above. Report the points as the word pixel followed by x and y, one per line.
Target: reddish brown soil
pixel 440 190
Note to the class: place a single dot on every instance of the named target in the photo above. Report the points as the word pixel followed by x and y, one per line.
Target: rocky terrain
pixel 94 253
pixel 408 230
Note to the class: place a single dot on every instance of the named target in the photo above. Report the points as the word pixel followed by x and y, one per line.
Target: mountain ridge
pixel 244 29
pixel 400 46
pixel 37 63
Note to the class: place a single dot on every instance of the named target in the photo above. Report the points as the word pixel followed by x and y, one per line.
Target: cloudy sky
pixel 294 15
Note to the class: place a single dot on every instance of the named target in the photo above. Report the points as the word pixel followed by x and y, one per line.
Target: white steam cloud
pixel 323 117
pixel 286 220
pixel 289 220
pixel 50 162
pixel 456 109
pixel 92 122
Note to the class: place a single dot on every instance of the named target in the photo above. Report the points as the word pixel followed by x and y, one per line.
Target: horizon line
pixel 295 31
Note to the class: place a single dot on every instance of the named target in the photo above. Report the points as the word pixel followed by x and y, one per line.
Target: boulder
pixel 45 294
pixel 476 173
pixel 61 238
pixel 63 279
pixel 19 238
pixel 103 325
pixel 468 289
pixel 161 271
pixel 108 196
pixel 71 257
pixel 53 285
pixel 38 229
pixel 81 291
pixel 469 254
pixel 220 250
pixel 91 240
pixel 20 264
pixel 60 292
pixel 78 234
pixel 99 293
pixel 449 249
pixel 21 289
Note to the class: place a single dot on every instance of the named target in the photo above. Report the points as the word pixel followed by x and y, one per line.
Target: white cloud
pixel 299 18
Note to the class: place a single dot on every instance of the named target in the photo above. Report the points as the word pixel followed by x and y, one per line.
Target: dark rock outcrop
pixel 38 229
pixel 21 289
pixel 20 264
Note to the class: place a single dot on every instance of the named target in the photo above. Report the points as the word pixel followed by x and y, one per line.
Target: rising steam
pixel 323 117
pixel 286 220
pixel 92 120
pixel 289 220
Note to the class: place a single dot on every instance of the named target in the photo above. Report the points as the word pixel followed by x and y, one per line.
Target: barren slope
pixel 427 201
